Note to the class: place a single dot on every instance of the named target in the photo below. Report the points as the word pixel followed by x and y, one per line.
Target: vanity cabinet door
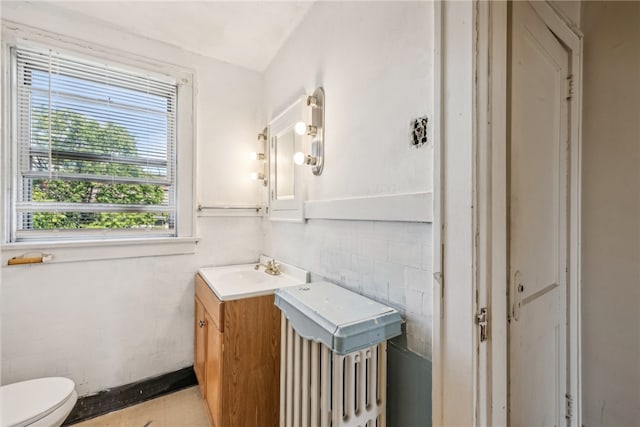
pixel 199 351
pixel 214 371
pixel 251 363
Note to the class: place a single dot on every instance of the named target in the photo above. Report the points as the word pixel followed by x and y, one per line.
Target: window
pixel 95 149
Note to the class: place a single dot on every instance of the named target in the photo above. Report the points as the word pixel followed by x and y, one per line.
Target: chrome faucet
pixel 271 267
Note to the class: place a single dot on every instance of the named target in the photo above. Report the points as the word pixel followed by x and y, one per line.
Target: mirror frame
pixel 292 208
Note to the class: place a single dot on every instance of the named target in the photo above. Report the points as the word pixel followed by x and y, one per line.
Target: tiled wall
pixel 386 261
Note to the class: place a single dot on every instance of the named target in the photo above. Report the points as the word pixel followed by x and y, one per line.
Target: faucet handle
pixel 274 267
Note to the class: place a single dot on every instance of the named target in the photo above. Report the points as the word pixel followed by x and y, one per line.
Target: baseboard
pixel 120 397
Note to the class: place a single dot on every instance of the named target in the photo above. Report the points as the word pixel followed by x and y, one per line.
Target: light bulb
pixel 298 158
pixel 302 159
pixel 256 156
pixel 300 128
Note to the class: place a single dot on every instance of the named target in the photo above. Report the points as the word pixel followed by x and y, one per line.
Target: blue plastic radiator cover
pixel 340 319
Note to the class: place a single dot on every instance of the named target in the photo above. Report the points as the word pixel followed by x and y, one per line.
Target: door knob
pixel 201 323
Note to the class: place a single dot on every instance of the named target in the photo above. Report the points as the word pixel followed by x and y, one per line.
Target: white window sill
pixel 93 250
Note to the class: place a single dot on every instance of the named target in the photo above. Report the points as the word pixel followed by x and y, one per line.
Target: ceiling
pixel 245 33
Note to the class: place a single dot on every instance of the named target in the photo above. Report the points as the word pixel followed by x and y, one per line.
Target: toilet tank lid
pixel 25 402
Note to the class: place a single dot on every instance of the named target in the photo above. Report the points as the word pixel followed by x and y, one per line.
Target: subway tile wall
pixel 386 261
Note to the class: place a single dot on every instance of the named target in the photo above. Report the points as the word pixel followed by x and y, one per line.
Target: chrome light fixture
pixel 256 176
pixel 315 130
pixel 260 156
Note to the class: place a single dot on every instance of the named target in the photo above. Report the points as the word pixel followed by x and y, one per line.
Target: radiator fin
pixel 319 388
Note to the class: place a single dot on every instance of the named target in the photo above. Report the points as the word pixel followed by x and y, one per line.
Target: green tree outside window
pixel 72 132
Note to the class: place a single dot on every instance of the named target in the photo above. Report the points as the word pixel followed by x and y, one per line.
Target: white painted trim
pixel 454 351
pixel 186 158
pixel 438 217
pixel 575 237
pixel 482 221
pixel 497 235
pixel 565 18
pixel 413 207
pixel 490 259
pixel 7 132
pixel 94 250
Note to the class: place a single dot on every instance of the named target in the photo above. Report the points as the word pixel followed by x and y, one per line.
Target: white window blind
pixel 95 149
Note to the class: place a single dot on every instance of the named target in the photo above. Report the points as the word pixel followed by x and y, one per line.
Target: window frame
pixel 14 35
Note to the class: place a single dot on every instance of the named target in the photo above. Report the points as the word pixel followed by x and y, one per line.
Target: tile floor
pixel 184 408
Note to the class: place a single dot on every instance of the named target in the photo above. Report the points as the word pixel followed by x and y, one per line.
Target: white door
pixel 538 236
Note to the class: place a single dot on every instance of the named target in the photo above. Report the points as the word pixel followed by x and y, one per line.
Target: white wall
pixel 100 323
pixel 375 62
pixel 107 323
pixel 611 214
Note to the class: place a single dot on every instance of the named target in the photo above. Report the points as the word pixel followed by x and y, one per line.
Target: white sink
pixel 244 281
pixel 243 278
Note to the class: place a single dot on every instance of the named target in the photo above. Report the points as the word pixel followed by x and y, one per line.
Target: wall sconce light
pixel 260 156
pixel 301 128
pixel 259 176
pixel 256 156
pixel 316 131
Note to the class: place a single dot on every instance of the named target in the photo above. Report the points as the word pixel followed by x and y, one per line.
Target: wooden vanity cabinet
pixel 237 358
pixel 199 350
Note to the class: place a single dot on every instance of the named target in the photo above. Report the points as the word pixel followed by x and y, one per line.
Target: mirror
pixel 285 185
pixel 285 147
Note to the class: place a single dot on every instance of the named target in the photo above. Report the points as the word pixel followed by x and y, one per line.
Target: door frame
pixel 492 202
pixel 470 209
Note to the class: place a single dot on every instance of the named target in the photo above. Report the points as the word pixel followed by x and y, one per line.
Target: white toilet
pixel 43 402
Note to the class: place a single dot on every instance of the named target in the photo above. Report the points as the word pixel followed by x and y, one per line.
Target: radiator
pixel 320 388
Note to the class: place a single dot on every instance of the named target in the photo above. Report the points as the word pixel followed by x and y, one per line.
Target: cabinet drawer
pixel 212 304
